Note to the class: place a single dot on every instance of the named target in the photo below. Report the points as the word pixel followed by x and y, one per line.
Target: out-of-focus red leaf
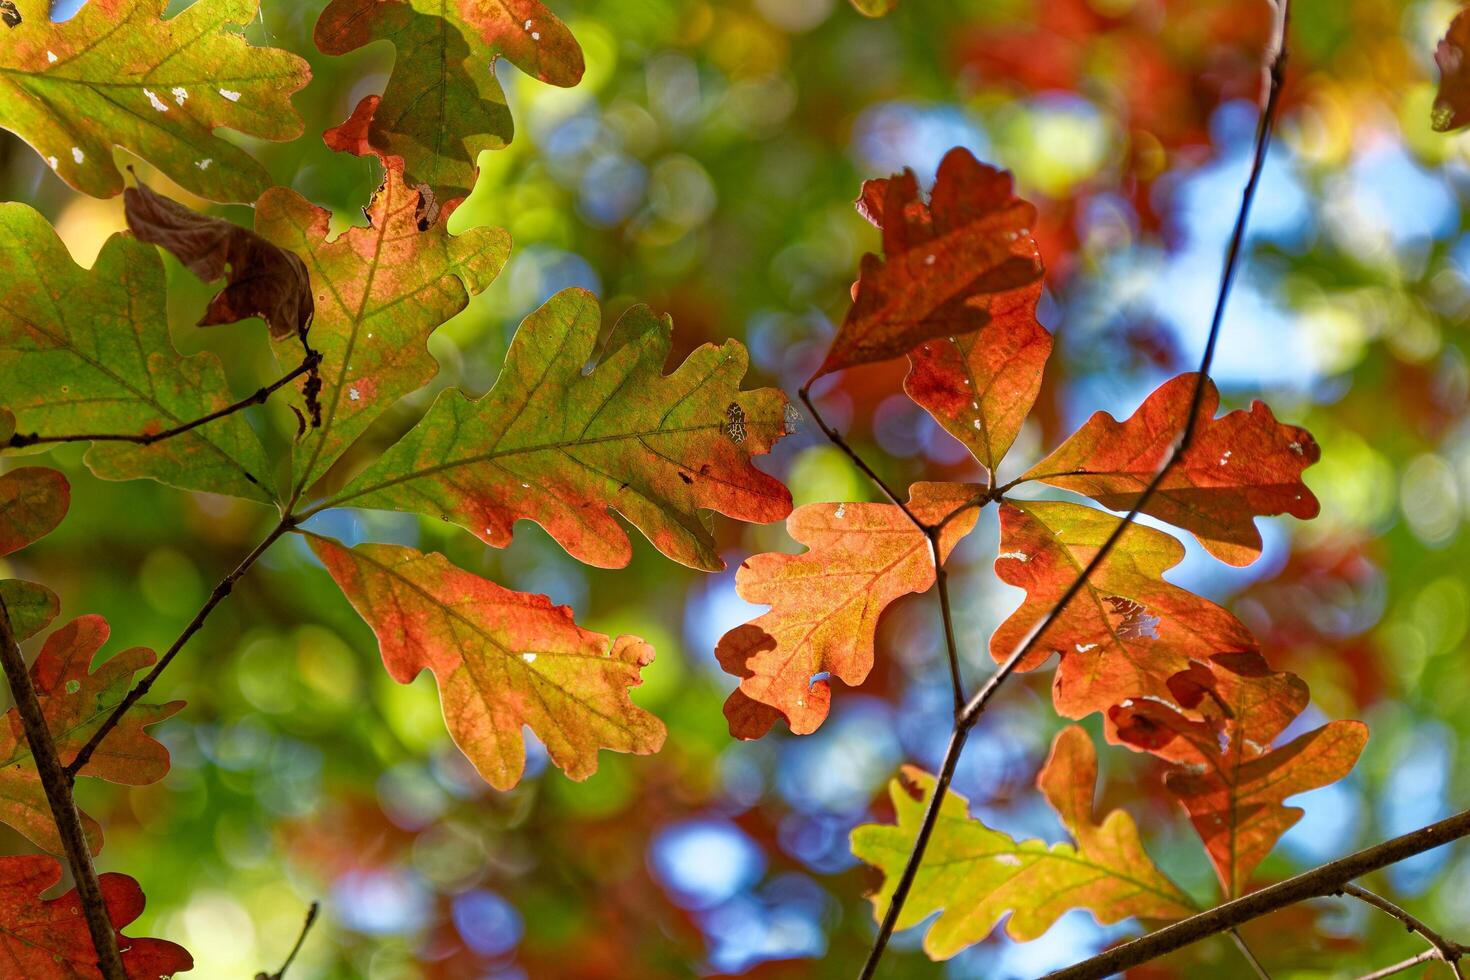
pixel 1241 466
pixel 1452 104
pixel 33 500
pixel 946 264
pixel 1128 631
pixel 48 939
pixel 825 603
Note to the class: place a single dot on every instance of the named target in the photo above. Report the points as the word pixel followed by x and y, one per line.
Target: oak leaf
pixel 264 280
pixel 826 603
pixel 442 104
pixel 33 500
pixel 564 446
pixel 88 351
pixel 1452 103
pixel 1228 775
pixel 1128 631
pixel 75 701
pixel 30 606
pixel 47 939
pixel 380 292
pixel 973 875
pixel 945 263
pixel 119 74
pixel 1240 466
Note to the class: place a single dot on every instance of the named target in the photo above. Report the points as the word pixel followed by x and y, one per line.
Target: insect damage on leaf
pixel 825 603
pixel 1240 466
pixel 101 361
pixel 503 659
pixel 47 939
pixel 121 74
pixel 9 15
pixel 264 280
pixel 75 701
pixel 949 267
pixel 565 447
pixel 973 876
pixel 443 104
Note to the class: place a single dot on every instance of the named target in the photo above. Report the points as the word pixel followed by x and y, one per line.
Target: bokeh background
pixel 706 165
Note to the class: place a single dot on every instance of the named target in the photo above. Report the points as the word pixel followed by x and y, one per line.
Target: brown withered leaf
pixel 264 280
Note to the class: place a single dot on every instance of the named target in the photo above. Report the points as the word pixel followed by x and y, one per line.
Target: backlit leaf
pixel 88 351
pixel 1452 104
pixel 1241 466
pixel 1128 631
pixel 33 500
pixel 380 292
pixel 31 606
pixel 47 939
pixel 973 875
pixel 503 659
pixel 443 104
pixel 1229 777
pixel 565 447
pixel 119 74
pixel 825 603
pixel 945 263
pixel 76 701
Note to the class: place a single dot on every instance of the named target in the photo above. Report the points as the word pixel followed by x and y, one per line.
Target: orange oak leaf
pixel 503 659
pixel 825 603
pixel 380 292
pixel 47 939
pixel 1128 631
pixel 973 875
pixel 33 500
pixel 1452 103
pixel 565 446
pixel 1228 776
pixel 76 701
pixel 1241 466
pixel 945 263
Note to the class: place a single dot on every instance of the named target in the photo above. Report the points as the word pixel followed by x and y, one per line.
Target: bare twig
pixel 1320 882
pixel 142 687
pixel 1276 70
pixel 1250 957
pixel 1447 949
pixel 18 440
pixel 836 439
pixel 57 784
pixel 1402 965
pixel 291 957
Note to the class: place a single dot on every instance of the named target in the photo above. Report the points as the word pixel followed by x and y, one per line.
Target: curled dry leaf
pixel 825 603
pixel 946 264
pixel 47 939
pixel 565 446
pixel 973 875
pixel 503 659
pixel 264 280
pixel 1240 466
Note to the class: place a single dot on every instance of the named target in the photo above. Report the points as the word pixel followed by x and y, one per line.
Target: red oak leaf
pixel 825 603
pixel 1241 466
pixel 48 939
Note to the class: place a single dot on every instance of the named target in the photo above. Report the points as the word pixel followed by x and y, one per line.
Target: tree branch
pixel 291 957
pixel 57 784
pixel 1402 965
pixel 142 687
pixel 1275 60
pixel 1320 882
pixel 19 440
pixel 1447 949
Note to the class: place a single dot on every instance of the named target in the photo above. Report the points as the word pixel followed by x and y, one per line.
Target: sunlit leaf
pixel 566 447
pixel 503 659
pixel 87 351
pixel 973 875
pixel 119 74
pixel 47 939
pixel 825 603
pixel 75 702
pixel 380 292
pixel 1241 466
pixel 443 104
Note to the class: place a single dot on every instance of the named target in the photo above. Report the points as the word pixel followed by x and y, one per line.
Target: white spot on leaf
pixel 232 96
pixel 528 657
pixel 204 164
pixel 353 393
pixel 77 154
pixel 840 512
pixel 179 93
pixel 52 161
pixel 155 101
pixel 1017 555
pixel 51 56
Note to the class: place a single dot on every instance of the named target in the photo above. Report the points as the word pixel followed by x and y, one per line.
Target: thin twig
pixel 1320 882
pixel 941 578
pixel 1276 70
pixel 142 687
pixel 18 440
pixel 836 439
pixel 1447 949
pixel 57 784
pixel 290 958
pixel 1250 957
pixel 1402 965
